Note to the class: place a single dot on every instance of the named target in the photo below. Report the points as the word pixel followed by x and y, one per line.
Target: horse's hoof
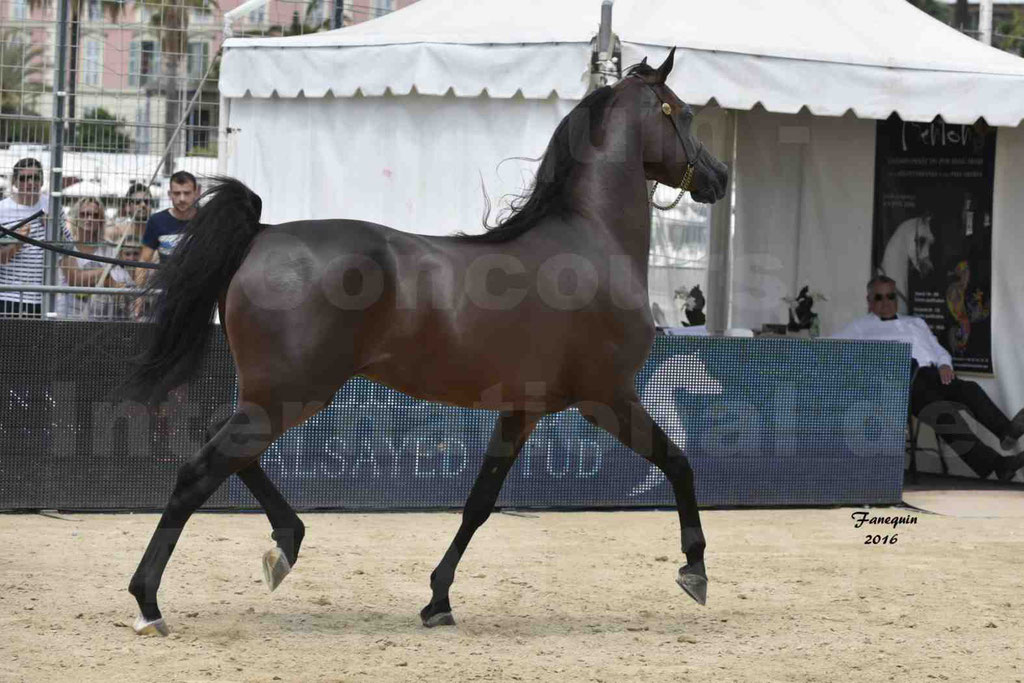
pixel 275 567
pixel 439 619
pixel 157 627
pixel 432 619
pixel 695 584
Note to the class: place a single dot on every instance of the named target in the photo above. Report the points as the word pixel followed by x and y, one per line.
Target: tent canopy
pixel 870 57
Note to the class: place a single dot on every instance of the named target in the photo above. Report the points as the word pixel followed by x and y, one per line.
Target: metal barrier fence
pixel 111 97
pixel 763 421
pixel 79 303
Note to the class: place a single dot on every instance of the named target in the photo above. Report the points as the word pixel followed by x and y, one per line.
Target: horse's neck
pixel 609 195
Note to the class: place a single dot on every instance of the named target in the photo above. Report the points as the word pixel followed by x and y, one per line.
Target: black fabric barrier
pixel 763 421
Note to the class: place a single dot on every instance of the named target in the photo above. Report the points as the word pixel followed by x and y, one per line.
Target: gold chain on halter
pixel 687 179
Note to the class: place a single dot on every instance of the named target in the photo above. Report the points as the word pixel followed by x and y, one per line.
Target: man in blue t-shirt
pixel 164 228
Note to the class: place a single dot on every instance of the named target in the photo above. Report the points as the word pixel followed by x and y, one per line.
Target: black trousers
pixel 938 405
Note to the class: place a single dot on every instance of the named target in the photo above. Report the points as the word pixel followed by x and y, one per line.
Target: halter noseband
pixel 692 155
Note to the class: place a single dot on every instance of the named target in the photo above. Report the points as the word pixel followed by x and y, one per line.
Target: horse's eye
pixel 666 108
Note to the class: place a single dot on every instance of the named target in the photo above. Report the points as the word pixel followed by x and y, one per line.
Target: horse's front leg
pixel 628 421
pixel 510 433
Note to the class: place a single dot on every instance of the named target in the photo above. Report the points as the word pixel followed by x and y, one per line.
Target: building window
pixel 198 56
pixel 382 7
pixel 142 127
pixel 143 63
pixel 258 15
pixel 92 62
pixel 199 129
pixel 201 15
pixel 94 11
pixel 19 10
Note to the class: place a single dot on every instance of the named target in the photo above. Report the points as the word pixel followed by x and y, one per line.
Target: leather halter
pixel 693 154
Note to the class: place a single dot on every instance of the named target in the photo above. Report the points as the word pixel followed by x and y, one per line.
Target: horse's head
pixel 672 154
pixel 921 249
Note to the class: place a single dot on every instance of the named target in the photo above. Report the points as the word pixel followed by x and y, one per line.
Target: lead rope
pixel 687 179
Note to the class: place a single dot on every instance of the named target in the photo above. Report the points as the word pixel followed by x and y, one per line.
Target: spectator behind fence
pixel 936 395
pixel 164 228
pixel 23 264
pixel 87 220
pixel 117 306
pixel 134 212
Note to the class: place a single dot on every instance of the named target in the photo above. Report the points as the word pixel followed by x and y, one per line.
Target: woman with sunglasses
pixel 23 264
pixel 88 219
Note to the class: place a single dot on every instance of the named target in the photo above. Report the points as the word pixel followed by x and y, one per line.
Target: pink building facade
pixel 122 69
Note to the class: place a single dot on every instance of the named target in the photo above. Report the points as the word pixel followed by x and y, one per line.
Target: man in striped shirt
pixel 23 264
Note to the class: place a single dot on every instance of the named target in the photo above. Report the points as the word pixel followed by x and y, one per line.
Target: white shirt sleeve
pixel 940 355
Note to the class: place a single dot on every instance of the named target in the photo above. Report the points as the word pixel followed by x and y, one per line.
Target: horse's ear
pixel 666 66
pixel 644 61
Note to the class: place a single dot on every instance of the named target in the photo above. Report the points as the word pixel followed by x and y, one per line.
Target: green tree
pixel 939 10
pixel 20 85
pixel 100 131
pixel 1011 34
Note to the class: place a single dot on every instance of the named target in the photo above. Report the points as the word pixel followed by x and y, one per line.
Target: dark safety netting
pixel 764 422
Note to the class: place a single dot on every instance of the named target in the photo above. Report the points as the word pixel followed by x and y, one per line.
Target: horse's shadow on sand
pixel 549 621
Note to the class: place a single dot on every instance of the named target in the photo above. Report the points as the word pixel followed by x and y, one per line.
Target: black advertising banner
pixel 932 230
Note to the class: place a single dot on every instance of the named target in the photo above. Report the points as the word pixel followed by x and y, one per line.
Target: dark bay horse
pixel 546 310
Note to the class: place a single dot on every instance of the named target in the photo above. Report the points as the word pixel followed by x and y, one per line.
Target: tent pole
pixel 338 15
pixel 720 247
pixel 985 21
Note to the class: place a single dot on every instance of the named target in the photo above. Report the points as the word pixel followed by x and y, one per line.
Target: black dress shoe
pixel 1009 466
pixel 1013 432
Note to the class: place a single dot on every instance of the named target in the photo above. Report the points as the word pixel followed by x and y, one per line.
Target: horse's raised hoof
pixel 694 582
pixel 275 567
pixel 157 627
pixel 431 619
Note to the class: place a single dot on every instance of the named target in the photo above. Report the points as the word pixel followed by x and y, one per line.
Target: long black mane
pixel 546 196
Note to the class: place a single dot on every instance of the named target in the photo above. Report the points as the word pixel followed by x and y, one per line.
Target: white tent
pixel 872 57
pixel 397 121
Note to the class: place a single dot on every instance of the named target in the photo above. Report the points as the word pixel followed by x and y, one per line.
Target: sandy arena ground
pixel 795 595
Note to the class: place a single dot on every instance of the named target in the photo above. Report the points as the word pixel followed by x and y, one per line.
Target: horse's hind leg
pixel 636 429
pixel 237 444
pixel 288 528
pixel 510 433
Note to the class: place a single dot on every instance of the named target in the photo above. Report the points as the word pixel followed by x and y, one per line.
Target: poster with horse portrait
pixel 932 230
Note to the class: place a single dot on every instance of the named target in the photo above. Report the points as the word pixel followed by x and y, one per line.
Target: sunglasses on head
pixel 891 296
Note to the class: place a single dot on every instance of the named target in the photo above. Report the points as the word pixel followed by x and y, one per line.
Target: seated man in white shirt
pixel 936 394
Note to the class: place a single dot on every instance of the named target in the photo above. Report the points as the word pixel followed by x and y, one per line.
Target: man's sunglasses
pixel 24 178
pixel 891 296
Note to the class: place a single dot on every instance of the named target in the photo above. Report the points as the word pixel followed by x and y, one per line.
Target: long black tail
pixel 189 285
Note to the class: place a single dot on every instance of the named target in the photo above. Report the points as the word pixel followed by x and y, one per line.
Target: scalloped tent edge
pixel 873 57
